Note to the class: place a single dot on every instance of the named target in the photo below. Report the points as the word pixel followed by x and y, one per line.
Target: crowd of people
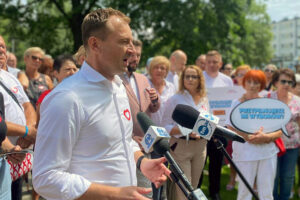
pixel 87 140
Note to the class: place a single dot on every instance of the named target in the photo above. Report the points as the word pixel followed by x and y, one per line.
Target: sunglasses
pixel 188 77
pixel 35 58
pixel 283 82
pixel 269 70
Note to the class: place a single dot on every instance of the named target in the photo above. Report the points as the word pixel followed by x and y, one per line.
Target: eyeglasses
pixel 188 77
pixel 269 70
pixel 228 69
pixel 283 82
pixel 35 58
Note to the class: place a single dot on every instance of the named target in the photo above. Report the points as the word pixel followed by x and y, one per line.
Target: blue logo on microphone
pixel 162 132
pixel 204 128
pixel 148 140
pixel 209 117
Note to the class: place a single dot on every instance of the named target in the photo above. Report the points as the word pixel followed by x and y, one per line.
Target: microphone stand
pixel 220 146
pixel 186 188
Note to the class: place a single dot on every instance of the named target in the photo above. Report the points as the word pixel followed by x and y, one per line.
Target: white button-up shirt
pixel 181 98
pixel 84 136
pixel 13 113
pixel 173 78
pixel 168 91
pixel 220 81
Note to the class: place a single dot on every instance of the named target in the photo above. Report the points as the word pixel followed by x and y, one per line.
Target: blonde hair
pixel 242 67
pixel 201 86
pixel 159 60
pixel 81 52
pixel 31 50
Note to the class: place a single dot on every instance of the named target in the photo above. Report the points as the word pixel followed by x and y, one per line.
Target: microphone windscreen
pixel 161 146
pixel 144 121
pixel 185 115
pixel 3 130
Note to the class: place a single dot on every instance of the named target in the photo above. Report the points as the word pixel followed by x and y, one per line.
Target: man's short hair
pixel 137 43
pixel 94 23
pixel 214 53
pixel 31 50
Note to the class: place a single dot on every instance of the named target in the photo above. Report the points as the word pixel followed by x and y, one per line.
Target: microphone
pixel 203 124
pixel 160 144
pixel 152 132
pixel 3 130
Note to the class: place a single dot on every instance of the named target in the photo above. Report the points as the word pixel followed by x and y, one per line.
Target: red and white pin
pixel 126 114
pixel 14 90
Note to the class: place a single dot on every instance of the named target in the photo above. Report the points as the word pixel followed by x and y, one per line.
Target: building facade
pixel 286 43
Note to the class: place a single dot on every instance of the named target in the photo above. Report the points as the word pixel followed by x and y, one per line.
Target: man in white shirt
pixel 214 78
pixel 178 61
pixel 84 148
pixel 19 114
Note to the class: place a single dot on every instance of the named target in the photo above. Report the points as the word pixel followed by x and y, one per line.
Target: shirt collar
pixel 93 76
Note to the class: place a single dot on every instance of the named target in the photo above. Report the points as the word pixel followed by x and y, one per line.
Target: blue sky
pixel 279 9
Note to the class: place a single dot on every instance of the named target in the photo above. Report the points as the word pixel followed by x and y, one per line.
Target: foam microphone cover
pixel 161 146
pixel 3 129
pixel 144 121
pixel 185 115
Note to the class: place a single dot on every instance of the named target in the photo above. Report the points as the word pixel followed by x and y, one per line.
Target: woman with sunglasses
pixel 188 151
pixel 38 83
pixel 284 81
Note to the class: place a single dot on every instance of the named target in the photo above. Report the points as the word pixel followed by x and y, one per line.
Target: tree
pixel 239 29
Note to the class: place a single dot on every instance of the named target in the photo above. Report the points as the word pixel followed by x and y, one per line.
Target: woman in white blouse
pixel 158 70
pixel 189 152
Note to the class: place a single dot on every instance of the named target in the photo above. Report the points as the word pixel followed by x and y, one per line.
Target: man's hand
pixel 155 170
pixel 133 192
pixel 138 140
pixel 96 191
pixel 17 157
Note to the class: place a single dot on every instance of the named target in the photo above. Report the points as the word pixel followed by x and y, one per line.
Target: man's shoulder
pixel 140 76
pixel 8 78
pixel 227 79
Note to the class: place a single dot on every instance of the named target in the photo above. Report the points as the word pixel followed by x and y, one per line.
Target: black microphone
pixel 161 147
pixel 187 116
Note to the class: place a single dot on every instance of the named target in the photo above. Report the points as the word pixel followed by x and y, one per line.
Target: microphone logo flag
pixel 206 125
pixel 149 140
pixel 153 134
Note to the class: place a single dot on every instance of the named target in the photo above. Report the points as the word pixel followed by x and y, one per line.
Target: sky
pixel 280 9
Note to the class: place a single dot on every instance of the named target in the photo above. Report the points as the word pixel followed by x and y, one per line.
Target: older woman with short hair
pixel 38 83
pixel 284 80
pixel 256 159
pixel 240 73
pixel 158 71
pixel 189 152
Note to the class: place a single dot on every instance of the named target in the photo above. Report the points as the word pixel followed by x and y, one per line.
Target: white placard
pixel 271 114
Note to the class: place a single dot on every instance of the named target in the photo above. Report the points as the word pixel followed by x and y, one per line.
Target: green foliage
pixel 239 29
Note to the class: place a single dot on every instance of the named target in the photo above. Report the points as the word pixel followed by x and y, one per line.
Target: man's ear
pixel 95 44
